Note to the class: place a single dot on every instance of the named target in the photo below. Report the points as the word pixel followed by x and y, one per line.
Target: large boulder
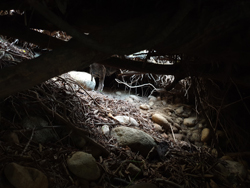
pixel 25 177
pixel 137 140
pixel 83 79
pixel 83 165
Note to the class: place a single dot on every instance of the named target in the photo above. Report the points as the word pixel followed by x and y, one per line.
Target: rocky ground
pixel 57 136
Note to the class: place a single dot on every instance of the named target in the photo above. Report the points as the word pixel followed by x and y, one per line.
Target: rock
pixel 135 98
pixel 164 135
pixel 183 111
pixel 83 79
pixel 130 100
pixel 177 126
pixel 83 165
pixel 190 122
pixel 137 140
pixel 179 110
pixel 10 137
pixel 199 144
pixel 157 127
pixel 179 120
pixel 179 137
pixel 151 103
pixel 152 98
pixel 42 135
pixel 167 117
pixel 185 114
pixel 143 185
pixel 161 120
pixel 144 107
pixel 214 152
pixel 195 136
pixel 231 170
pixel 164 103
pixel 105 129
pixel 133 170
pixel 25 177
pixel 118 93
pixel 126 120
pixel 205 135
pixel 200 126
pixel 175 130
pixel 225 157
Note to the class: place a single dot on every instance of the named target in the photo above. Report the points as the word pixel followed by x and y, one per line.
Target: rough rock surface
pixel 205 135
pixel 159 119
pixel 25 177
pixel 144 107
pixel 84 79
pixel 137 140
pixel 190 121
pixel 126 120
pixel 83 165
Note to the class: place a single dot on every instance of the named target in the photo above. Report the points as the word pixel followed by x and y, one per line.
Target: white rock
pixel 164 103
pixel 130 100
pixel 151 103
pixel 118 93
pixel 126 120
pixel 205 135
pixel 144 106
pixel 200 125
pixel 135 97
pixel 83 79
pixel 152 98
pixel 161 120
pixel 105 129
pixel 83 165
pixel 25 177
pixel 189 122
pixel 137 140
pixel 179 110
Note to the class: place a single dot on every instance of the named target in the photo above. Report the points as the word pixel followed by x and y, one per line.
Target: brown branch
pixel 136 25
pixel 10 28
pixel 29 73
pixel 71 126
